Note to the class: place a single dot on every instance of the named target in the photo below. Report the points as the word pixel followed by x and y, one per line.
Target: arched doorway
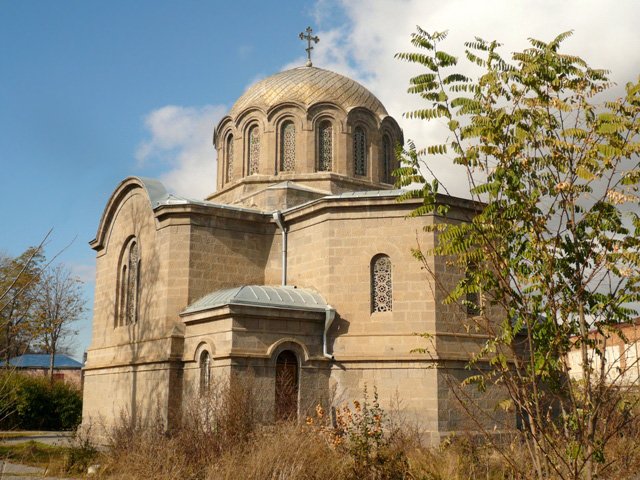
pixel 286 386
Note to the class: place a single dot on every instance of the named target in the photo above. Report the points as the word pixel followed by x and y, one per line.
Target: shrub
pixel 33 403
pixel 374 448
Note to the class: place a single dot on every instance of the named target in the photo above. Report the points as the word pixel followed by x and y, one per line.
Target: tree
pixel 555 243
pixel 59 304
pixel 19 279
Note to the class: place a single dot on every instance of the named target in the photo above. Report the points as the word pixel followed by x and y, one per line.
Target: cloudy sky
pixel 92 92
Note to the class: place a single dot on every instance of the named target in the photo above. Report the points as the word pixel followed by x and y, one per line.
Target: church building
pixel 298 269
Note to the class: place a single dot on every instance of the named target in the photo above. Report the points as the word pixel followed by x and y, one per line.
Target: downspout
pixel 330 315
pixel 277 217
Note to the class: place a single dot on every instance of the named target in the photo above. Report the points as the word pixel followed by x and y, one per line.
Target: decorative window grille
pixel 254 150
pixel 132 290
pixel 325 146
pixel 381 287
pixel 386 159
pixel 360 151
pixel 122 300
pixel 129 285
pixel 288 147
pixel 229 158
pixel 205 372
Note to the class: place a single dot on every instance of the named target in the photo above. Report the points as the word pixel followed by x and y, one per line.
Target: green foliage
pixel 364 432
pixel 555 239
pixel 34 403
pixel 19 279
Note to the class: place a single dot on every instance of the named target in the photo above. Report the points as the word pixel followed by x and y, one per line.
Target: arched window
pixel 205 372
pixel 253 151
pixel 360 151
pixel 229 152
pixel 325 146
pixel 286 386
pixel 387 158
pixel 287 147
pixel 129 284
pixel 473 297
pixel 122 296
pixel 381 286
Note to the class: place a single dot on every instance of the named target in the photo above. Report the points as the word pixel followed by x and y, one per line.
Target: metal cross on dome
pixel 309 39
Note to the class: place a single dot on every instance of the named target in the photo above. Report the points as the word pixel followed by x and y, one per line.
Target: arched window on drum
pixel 229 154
pixel 360 151
pixel 253 150
pixel 325 146
pixel 287 147
pixel 387 159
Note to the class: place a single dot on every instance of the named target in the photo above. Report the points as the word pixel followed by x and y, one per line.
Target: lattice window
pixel 381 287
pixel 129 285
pixel 387 153
pixel 473 297
pixel 254 150
pixel 122 297
pixel 229 152
pixel 288 147
pixel 325 146
pixel 205 372
pixel 360 151
pixel 132 290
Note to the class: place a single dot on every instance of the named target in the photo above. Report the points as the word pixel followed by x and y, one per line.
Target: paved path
pixel 15 471
pixel 58 439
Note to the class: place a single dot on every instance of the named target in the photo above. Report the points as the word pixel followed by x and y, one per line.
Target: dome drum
pixel 302 122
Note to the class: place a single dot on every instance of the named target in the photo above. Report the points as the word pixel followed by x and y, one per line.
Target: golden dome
pixel 307 86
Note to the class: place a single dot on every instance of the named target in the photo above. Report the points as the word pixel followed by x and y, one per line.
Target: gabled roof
pixel 262 296
pixel 41 360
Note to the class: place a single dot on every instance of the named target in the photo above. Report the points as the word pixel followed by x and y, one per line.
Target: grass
pixel 56 460
pixel 36 454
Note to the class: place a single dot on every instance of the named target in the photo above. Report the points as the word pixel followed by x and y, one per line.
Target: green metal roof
pixel 261 296
pixel 369 193
pixel 159 196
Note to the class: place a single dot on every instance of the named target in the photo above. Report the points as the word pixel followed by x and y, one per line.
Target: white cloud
pixel 362 47
pixel 181 144
pixel 85 272
pixel 605 35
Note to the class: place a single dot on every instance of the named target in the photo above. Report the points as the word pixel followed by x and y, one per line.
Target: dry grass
pixel 223 438
pixel 284 451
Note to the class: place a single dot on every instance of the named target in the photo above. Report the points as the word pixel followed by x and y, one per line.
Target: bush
pixel 33 403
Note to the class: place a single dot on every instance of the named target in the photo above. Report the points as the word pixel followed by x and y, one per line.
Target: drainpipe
pixel 277 217
pixel 330 315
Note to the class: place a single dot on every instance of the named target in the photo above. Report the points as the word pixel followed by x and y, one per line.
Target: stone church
pixel 299 266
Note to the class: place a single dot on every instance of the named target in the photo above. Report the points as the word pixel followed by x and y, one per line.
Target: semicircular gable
pixel 389 123
pixel 154 191
pixel 250 114
pixel 363 115
pixel 293 106
pixel 219 128
pixel 318 108
pixel 289 343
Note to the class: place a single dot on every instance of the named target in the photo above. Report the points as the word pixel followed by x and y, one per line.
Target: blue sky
pixel 92 92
